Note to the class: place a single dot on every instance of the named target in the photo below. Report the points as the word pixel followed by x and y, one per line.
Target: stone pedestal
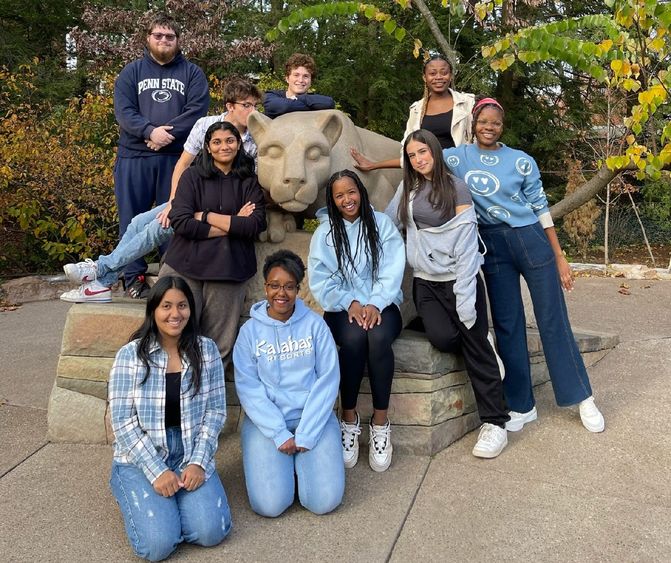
pixel 431 405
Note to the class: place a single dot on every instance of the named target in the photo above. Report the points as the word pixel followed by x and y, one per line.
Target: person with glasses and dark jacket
pixel 157 100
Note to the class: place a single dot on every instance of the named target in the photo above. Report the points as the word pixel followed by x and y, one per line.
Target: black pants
pixel 437 305
pixel 358 346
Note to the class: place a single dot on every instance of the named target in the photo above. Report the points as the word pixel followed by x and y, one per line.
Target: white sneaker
pixel 91 292
pixel 519 419
pixel 491 441
pixel 82 272
pixel 350 441
pixel 379 447
pixel 591 417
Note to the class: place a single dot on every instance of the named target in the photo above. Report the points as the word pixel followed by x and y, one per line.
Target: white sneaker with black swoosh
pixel 91 292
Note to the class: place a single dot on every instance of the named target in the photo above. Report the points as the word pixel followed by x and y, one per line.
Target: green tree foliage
pixel 56 187
pixel 37 28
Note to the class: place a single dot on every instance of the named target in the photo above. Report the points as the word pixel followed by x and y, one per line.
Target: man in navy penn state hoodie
pixel 157 100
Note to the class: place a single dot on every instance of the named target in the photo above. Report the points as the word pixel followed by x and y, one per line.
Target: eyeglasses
pixel 247 105
pixel 167 36
pixel 288 287
pixel 485 123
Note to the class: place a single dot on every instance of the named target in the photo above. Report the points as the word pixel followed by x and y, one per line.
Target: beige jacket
pixel 461 117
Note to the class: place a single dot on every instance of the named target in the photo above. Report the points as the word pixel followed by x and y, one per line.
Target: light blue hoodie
pixel 287 371
pixel 333 292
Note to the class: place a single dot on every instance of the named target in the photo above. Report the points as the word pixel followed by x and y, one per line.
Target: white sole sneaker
pixel 491 441
pixel 92 292
pixel 591 416
pixel 349 433
pixel 380 448
pixel 519 419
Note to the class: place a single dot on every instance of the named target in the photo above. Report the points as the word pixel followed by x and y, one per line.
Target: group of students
pixel 460 208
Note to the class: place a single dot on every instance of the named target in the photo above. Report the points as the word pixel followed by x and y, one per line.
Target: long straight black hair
pixel 243 164
pixel 442 196
pixel 148 333
pixel 368 233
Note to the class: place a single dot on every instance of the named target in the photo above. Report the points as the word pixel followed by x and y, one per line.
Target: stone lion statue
pixel 299 151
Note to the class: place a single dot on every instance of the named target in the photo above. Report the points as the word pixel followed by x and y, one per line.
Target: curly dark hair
pixel 289 261
pixel 299 59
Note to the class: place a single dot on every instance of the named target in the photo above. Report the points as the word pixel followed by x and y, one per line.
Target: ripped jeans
pixel 156 525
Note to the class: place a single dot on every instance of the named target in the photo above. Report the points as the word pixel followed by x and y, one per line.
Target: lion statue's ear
pixel 331 126
pixel 258 124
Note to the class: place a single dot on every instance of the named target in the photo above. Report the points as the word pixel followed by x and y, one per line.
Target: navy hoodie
pixel 148 94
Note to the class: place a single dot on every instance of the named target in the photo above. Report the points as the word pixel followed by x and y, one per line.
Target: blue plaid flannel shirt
pixel 138 411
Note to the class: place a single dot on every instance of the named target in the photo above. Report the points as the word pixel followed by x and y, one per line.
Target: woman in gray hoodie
pixel 436 212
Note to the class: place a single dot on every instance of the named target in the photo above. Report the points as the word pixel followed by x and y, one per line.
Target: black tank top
pixel 441 126
pixel 172 408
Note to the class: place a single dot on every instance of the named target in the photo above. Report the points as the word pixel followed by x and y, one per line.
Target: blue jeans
pixel 144 234
pixel 139 183
pixel 269 474
pixel 526 251
pixel 156 525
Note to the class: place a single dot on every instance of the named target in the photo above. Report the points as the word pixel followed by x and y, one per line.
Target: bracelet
pixel 203 217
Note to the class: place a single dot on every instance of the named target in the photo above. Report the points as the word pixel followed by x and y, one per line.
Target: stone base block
pixel 35 288
pixel 75 417
pixel 99 329
pixel 424 440
pixel 431 404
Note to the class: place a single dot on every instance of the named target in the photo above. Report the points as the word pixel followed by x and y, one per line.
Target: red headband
pixel 487 102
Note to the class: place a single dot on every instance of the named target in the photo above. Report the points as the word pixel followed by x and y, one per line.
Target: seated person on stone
pixel 167 401
pixel 147 231
pixel 300 69
pixel 286 377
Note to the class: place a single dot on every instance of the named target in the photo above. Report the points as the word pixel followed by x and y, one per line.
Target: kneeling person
pixel 286 376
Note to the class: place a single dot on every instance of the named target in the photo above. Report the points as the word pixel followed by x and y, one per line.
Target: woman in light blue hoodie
pixel 436 211
pixel 286 377
pixel 356 264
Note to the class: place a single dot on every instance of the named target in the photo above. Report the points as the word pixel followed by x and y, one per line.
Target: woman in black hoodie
pixel 217 214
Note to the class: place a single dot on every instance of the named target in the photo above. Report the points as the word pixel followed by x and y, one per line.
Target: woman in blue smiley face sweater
pixel 518 231
pixel 286 377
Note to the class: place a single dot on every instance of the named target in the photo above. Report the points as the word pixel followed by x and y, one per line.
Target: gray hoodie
pixel 445 253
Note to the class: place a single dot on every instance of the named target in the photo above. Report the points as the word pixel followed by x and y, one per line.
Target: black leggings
pixel 437 305
pixel 358 346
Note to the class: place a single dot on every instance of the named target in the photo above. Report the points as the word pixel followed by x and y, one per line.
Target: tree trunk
pixel 437 34
pixel 584 193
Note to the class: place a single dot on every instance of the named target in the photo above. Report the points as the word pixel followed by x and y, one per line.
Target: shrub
pixel 56 185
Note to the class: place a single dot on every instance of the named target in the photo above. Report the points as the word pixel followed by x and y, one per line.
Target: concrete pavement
pixel 557 493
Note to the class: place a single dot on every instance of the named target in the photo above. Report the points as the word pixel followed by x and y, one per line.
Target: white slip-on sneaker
pixel 379 447
pixel 519 419
pixel 591 416
pixel 350 441
pixel 81 272
pixel 491 441
pixel 91 292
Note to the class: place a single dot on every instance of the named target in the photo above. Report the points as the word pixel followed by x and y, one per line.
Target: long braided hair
pixel 425 98
pixel 369 237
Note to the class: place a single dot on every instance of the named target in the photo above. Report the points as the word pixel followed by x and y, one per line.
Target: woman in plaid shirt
pixel 168 404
